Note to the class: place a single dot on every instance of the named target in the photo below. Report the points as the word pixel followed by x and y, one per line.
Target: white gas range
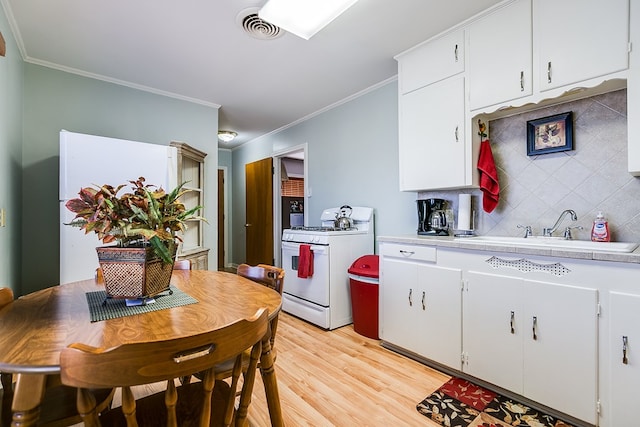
pixel 324 298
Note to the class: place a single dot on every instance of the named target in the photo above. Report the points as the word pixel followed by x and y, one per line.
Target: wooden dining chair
pixel 58 407
pixel 141 363
pixel 183 264
pixel 270 276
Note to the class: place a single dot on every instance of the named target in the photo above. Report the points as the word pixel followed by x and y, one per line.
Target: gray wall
pixel 11 87
pixel 55 100
pixel 224 158
pixel 352 159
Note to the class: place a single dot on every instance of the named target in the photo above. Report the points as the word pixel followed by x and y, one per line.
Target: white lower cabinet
pixel 624 358
pixel 421 306
pixel 561 332
pixel 534 338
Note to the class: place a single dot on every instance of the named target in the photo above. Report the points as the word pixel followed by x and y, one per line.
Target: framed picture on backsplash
pixel 550 134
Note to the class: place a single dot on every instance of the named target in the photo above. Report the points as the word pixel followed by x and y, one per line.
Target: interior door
pixel 221 264
pixel 259 211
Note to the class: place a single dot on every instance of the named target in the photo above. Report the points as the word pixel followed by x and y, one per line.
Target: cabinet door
pixel 398 298
pixel 439 306
pixel 432 141
pixel 431 62
pixel 624 312
pixel 560 347
pixel 580 39
pixel 500 56
pixel 493 329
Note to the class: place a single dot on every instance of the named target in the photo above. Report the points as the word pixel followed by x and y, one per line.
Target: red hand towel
pixel 488 177
pixel 305 262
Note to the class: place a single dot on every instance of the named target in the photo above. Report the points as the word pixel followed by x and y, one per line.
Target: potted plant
pixel 144 224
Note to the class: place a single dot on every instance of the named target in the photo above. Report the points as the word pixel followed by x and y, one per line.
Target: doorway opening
pixel 290 193
pixel 223 214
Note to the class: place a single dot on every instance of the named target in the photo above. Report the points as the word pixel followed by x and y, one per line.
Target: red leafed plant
pixel 146 216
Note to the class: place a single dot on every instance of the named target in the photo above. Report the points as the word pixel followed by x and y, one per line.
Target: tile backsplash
pixel 593 177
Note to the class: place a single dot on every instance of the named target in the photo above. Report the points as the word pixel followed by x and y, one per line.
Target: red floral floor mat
pixel 459 403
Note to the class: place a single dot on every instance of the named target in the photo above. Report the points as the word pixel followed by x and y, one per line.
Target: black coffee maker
pixel 432 219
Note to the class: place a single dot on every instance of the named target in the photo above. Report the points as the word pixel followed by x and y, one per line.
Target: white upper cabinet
pixel 430 62
pixel 432 143
pixel 579 40
pixel 516 54
pixel 500 56
pixel 433 148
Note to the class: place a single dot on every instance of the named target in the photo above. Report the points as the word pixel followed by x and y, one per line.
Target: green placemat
pixel 115 307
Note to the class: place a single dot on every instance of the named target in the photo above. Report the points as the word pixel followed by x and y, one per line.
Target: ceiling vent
pixel 256 27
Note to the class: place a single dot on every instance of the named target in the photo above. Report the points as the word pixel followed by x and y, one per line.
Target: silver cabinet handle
pixel 624 350
pixel 455 53
pixel 423 300
pixel 456 133
pixel 247 225
pixel 535 327
pixel 511 322
pixel 410 300
pixel 521 81
pixel 549 72
pixel 406 253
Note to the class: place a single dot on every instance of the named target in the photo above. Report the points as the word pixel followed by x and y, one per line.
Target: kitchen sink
pixel 555 243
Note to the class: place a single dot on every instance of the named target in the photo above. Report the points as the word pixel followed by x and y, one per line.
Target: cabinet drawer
pixel 408 252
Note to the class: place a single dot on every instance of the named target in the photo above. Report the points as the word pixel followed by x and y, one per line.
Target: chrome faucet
pixel 547 232
pixel 527 230
pixel 567 231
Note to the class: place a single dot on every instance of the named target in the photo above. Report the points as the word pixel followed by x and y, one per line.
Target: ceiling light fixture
pixel 226 135
pixel 303 18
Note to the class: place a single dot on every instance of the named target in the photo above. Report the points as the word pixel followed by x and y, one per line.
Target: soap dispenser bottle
pixel 600 230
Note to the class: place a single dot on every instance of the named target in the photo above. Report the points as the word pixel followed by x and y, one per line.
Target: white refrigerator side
pixel 86 160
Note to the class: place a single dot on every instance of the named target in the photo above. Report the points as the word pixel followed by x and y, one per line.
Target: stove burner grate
pixel 322 228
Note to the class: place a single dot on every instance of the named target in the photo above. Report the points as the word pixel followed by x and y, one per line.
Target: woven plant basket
pixel 133 272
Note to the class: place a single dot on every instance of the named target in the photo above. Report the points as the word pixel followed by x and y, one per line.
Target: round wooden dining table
pixel 36 327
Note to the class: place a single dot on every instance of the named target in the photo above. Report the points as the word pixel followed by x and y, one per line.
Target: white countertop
pixel 470 243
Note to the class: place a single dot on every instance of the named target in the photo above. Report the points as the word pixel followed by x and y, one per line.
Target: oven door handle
pixel 319 249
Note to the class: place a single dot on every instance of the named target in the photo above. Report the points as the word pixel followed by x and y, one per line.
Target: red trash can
pixel 364 277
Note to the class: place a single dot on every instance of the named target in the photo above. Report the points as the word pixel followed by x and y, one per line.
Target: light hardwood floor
pixel 340 378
